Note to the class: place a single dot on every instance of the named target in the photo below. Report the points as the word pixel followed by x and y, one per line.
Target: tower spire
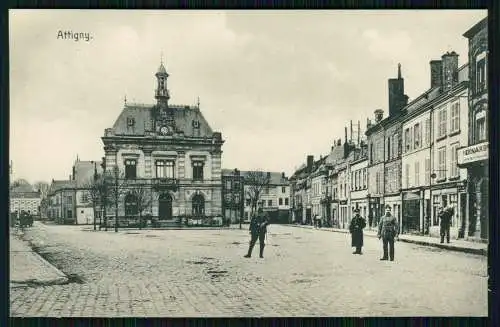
pixel 399 71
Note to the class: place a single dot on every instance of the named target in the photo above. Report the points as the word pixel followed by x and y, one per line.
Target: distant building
pixel 61 201
pixel 275 198
pixel 172 153
pixel 83 176
pixel 24 198
pixel 475 156
pixel 232 195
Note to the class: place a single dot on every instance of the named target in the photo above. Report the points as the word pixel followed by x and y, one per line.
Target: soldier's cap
pixel 387 208
pixel 356 210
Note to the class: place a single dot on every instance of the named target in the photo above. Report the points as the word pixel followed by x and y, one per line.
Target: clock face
pixel 164 130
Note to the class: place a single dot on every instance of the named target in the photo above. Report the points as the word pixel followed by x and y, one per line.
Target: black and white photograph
pixel 263 163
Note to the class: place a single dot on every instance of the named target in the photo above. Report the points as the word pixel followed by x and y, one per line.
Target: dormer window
pixel 196 124
pixel 130 121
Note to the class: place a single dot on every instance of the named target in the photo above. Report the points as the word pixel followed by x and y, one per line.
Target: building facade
pixel 474 157
pixel 62 201
pixel 24 198
pixel 375 138
pixel 169 150
pixel 449 133
pixel 232 196
pixel 358 169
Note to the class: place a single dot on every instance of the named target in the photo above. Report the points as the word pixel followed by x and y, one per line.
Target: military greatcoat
pixel 356 230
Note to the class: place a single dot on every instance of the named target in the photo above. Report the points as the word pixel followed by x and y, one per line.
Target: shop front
pixel 475 159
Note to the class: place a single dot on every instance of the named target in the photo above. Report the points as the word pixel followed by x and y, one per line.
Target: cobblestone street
pixel 203 273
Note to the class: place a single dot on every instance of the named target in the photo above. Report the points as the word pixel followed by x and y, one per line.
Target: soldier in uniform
pixel 258 230
pixel 445 223
pixel 356 229
pixel 388 230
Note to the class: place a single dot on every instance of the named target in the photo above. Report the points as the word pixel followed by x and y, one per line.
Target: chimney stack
pixel 450 70
pixel 351 131
pixel 368 123
pixel 397 98
pixel 345 135
pixel 310 161
pixel 436 73
pixel 379 115
pixel 339 142
pixel 359 130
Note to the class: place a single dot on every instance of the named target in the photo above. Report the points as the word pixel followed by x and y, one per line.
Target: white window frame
pixel 417 173
pixel 441 173
pixel 454 171
pixel 441 123
pixel 455 117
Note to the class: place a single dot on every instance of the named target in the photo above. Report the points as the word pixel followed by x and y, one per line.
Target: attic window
pixel 196 124
pixel 130 121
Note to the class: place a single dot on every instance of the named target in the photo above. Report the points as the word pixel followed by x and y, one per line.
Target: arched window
pixel 130 205
pixel 198 205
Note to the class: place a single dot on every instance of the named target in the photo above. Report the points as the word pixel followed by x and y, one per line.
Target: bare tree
pixel 256 182
pixel 116 185
pixel 144 198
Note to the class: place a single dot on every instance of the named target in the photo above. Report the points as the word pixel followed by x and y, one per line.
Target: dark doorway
pixel 463 214
pixel 308 216
pixel 411 214
pixel 199 206
pixel 165 207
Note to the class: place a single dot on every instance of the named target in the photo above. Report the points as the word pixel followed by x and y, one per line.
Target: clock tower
pixel 164 121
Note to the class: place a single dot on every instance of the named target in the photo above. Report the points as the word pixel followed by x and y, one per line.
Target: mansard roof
pixel 84 172
pixel 143 117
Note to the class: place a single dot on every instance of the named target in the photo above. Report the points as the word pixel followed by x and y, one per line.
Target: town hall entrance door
pixel 165 207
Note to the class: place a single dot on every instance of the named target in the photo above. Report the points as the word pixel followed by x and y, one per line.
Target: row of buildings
pixel 429 153
pixel 172 154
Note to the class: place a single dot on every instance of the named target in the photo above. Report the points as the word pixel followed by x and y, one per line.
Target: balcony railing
pixel 165 183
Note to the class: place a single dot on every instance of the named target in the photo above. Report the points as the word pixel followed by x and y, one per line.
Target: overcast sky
pixel 278 84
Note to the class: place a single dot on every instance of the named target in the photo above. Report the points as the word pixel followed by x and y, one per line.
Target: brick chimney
pixel 450 70
pixel 379 115
pixel 436 73
pixel 310 161
pixel 397 97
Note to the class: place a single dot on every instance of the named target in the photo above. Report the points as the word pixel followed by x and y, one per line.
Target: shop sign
pixel 473 153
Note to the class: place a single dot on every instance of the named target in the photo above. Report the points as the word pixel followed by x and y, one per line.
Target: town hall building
pixel 172 153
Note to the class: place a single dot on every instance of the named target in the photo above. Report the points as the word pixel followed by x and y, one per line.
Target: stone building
pixel 24 198
pixel 449 133
pixel 375 139
pixel 170 151
pixel 416 159
pixel 61 201
pixel 475 156
pixel 233 197
pixel 83 176
pixel 384 159
pixel 358 169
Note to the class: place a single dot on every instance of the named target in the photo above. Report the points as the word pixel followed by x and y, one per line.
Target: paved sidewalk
pixel 454 245
pixel 28 268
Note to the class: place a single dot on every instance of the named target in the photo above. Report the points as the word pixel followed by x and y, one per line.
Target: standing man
pixel 258 230
pixel 388 229
pixel 356 229
pixel 445 223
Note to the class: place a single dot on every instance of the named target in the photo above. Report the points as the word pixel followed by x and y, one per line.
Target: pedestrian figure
pixel 258 230
pixel 388 230
pixel 445 223
pixel 356 229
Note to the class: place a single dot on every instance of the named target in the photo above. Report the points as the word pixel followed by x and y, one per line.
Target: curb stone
pixel 60 278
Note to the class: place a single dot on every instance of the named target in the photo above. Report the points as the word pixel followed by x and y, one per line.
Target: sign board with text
pixel 473 153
